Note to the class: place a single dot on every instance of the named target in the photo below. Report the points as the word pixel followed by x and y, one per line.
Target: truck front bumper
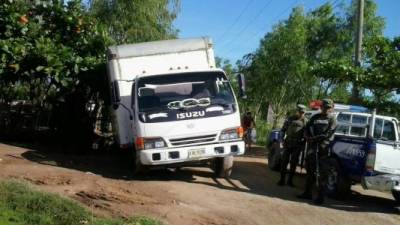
pixel 382 182
pixel 186 154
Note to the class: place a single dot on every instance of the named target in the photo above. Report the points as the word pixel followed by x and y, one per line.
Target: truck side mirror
pixel 115 96
pixel 242 85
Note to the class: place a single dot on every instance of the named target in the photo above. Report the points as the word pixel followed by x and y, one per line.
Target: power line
pixel 277 17
pixel 255 35
pixel 236 20
pixel 248 24
pixel 335 4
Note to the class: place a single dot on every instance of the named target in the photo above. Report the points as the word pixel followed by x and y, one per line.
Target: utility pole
pixel 358 47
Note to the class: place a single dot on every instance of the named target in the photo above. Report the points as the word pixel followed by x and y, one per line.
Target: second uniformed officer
pixel 319 133
pixel 293 143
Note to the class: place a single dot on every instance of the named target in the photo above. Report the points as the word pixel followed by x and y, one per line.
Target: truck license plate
pixel 196 153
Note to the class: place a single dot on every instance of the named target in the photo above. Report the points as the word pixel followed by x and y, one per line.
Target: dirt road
pixel 191 195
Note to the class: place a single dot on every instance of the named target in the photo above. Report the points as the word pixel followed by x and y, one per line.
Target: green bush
pixel 263 130
pixel 21 204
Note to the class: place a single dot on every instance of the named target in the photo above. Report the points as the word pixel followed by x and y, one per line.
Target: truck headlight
pixel 231 134
pixel 149 143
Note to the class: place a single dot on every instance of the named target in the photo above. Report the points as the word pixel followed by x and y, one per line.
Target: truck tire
pixel 274 156
pixel 137 167
pixel 337 184
pixel 223 166
pixel 396 195
pixel 317 194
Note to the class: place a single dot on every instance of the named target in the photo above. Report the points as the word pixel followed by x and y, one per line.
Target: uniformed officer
pixel 293 131
pixel 319 133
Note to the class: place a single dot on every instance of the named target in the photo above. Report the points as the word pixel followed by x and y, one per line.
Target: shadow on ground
pixel 250 175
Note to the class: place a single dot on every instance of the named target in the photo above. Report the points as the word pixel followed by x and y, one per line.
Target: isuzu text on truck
pixel 172 106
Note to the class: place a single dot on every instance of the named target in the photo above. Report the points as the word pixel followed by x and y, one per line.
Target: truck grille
pixel 192 140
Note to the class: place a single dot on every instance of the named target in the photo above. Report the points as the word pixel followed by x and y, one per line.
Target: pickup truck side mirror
pixel 115 96
pixel 242 85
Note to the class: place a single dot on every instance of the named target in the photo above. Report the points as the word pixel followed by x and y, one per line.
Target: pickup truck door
pixel 387 159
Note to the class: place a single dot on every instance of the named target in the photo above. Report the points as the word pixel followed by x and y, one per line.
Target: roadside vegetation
pixel 52 62
pixel 20 204
pixel 310 56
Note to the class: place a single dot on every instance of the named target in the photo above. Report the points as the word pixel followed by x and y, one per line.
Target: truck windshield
pixel 184 96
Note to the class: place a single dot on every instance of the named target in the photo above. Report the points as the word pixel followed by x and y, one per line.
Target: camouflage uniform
pixel 319 132
pixel 293 144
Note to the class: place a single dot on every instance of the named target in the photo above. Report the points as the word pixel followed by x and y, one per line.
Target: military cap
pixel 327 103
pixel 301 108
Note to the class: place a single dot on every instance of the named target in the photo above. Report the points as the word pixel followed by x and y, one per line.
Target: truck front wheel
pixel 223 166
pixel 136 166
pixel 337 184
pixel 396 195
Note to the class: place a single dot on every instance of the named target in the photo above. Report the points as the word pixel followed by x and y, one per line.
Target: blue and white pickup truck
pixel 361 152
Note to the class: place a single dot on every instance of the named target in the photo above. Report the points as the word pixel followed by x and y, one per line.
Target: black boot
pixel 318 195
pixel 281 181
pixel 290 181
pixel 305 195
pixel 319 199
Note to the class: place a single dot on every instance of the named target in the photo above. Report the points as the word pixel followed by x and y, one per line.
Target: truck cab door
pixel 387 159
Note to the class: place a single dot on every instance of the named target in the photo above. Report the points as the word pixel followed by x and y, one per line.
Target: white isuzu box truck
pixel 172 106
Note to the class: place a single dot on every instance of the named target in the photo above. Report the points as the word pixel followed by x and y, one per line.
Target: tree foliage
pixel 48 48
pixel 130 21
pixel 52 53
pixel 310 56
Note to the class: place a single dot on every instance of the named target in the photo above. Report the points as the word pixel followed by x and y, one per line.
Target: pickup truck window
pixel 354 125
pixel 358 131
pixel 342 129
pixel 388 131
pixel 384 130
pixel 357 119
pixel 344 118
pixel 378 128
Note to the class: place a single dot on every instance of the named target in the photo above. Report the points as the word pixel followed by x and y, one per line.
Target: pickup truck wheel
pixel 274 156
pixel 396 196
pixel 337 185
pixel 223 166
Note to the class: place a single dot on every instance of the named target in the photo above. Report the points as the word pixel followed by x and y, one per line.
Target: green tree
pixel 277 72
pixel 52 54
pixel 129 21
pixel 310 56
pixel 49 47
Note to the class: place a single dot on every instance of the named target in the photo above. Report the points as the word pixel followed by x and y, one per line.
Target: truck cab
pixel 172 106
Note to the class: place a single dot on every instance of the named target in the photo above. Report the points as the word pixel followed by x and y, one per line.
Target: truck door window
pixel 378 128
pixel 388 132
pixel 384 130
